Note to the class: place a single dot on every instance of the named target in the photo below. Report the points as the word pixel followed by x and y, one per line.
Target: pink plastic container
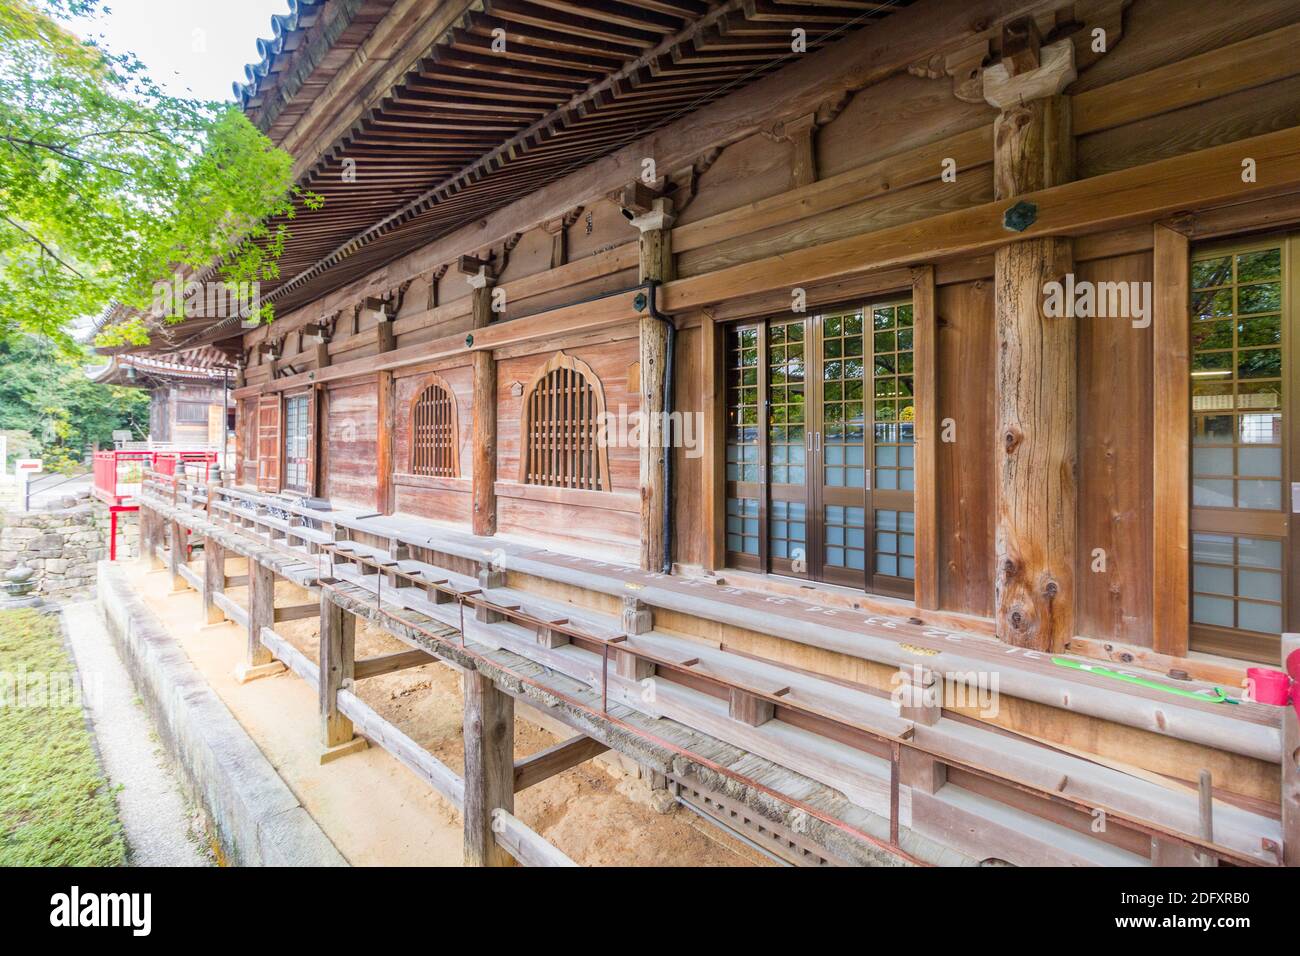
pixel 1267 686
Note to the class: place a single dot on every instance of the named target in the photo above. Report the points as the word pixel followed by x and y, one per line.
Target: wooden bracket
pixel 473 266
pixel 1007 90
pixel 1021 45
pixel 638 198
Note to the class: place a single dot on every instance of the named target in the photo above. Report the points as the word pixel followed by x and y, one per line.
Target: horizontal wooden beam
pixel 1204 179
pixel 1229 69
pixel 297 612
pixel 526 846
pixel 232 610
pixel 563 756
pixel 388 663
pixel 1201 179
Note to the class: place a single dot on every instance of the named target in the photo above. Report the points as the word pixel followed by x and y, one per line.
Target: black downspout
pixel 652 288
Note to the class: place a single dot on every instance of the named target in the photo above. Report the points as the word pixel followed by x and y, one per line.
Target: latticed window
pixel 434 433
pixel 563 409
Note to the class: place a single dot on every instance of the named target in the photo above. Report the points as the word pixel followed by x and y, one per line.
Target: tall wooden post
pixel 1035 384
pixel 176 556
pixel 258 661
pixel 655 222
pixel 384 443
pixel 489 767
pixel 712 439
pixel 214 580
pixel 925 327
pixel 485 406
pixel 338 644
pixel 151 533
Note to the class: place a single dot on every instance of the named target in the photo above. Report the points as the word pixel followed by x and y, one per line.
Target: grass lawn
pixel 55 806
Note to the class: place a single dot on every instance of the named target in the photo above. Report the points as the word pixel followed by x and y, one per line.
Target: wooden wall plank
pixel 964 466
pixel 1113 589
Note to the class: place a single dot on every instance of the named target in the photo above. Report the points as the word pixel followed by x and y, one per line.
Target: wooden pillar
pixel 655 222
pixel 485 409
pixel 154 528
pixel 258 661
pixel 1171 436
pixel 176 556
pixel 1290 764
pixel 338 643
pixel 384 450
pixel 802 134
pixel 319 432
pixel 214 580
pixel 1035 382
pixel 489 767
pixel 713 443
pixel 926 389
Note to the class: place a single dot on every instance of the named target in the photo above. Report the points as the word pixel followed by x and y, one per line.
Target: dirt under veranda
pixel 595 812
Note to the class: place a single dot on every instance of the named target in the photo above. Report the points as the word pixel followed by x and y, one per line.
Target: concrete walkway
pixel 160 827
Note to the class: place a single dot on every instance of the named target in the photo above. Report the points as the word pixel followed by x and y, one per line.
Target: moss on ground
pixel 56 808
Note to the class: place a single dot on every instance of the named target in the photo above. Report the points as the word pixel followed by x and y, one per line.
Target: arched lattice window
pixel 435 435
pixel 564 405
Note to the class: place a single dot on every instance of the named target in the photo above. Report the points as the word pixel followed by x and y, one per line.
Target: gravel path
pixel 159 824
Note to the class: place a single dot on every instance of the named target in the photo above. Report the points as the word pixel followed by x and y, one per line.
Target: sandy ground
pixel 161 828
pixel 376 811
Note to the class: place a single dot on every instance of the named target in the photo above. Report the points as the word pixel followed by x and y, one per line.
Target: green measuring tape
pixel 1219 697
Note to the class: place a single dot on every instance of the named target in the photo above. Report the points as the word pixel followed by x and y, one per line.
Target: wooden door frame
pixel 275 399
pixel 307 395
pixel 1236 522
pixel 868 580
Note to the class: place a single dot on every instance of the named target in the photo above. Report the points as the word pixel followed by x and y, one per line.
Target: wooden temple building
pixel 873 418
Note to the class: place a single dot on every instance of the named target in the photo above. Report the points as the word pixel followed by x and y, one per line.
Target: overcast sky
pixel 191 47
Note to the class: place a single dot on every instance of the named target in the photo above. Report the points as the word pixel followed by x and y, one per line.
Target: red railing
pixel 118 473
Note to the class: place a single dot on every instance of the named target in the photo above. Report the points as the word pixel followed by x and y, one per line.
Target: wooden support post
pixel 920 771
pixel 1035 382
pixel 489 767
pixel 1171 431
pixel 802 134
pixel 214 580
pixel 637 617
pixel 384 332
pixel 1206 791
pixel 748 709
pixel 920 695
pixel 484 475
pixel 926 389
pixel 384 449
pixel 656 262
pixel 1290 762
pixel 258 661
pixel 155 538
pixel 713 442
pixel 176 556
pixel 338 642
pixel 320 440
pixel 631 667
pixel 550 638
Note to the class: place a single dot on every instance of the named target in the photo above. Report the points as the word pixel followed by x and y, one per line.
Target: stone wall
pixel 62 545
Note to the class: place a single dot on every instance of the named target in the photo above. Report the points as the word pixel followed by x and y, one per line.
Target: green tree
pixel 45 393
pixel 109 185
